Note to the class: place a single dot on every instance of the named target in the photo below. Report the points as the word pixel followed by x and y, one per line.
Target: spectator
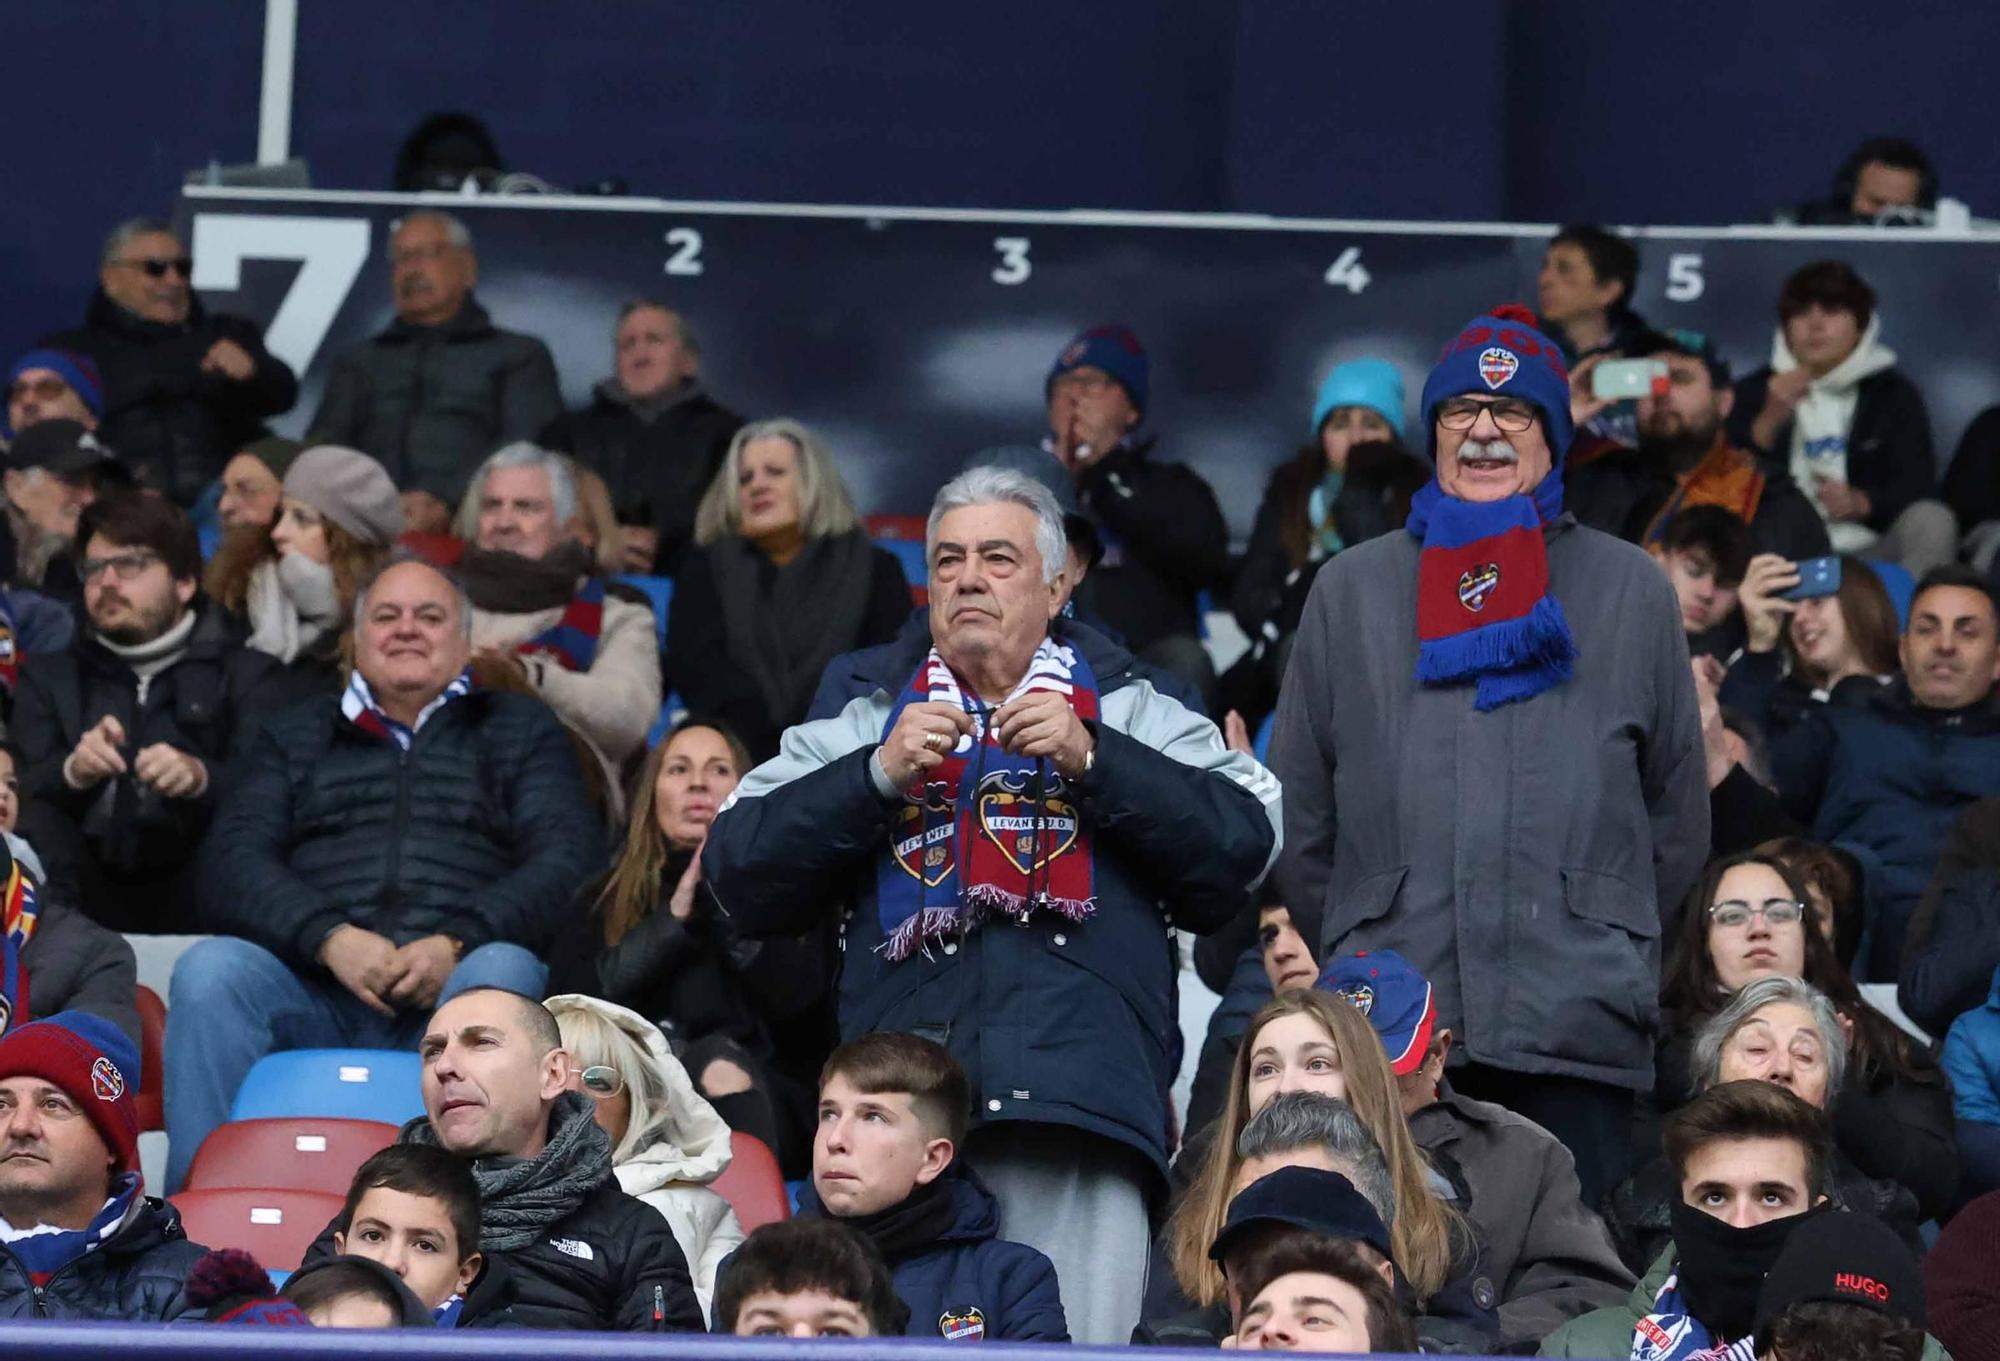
pixel 355 1292
pixel 597 527
pixel 654 940
pixel 538 604
pixel 582 1253
pixel 1832 881
pixel 807 1278
pixel 253 482
pixel 1781 1030
pixel 1843 1289
pixel 1972 1061
pixel 1163 533
pixel 1953 945
pixel 1887 182
pixel 1745 920
pixel 1584 292
pixel 892 1118
pixel 1320 1296
pixel 443 386
pixel 781 580
pixel 667 1143
pixel 53 385
pixel 1833 649
pixel 1546 1251
pixel 1850 427
pixel 293 580
pixel 1704 551
pixel 414 1209
pixel 183 389
pixel 58 960
pixel 382 850
pixel 127 733
pixel 1886 778
pixel 1750 1162
pixel 1351 482
pixel 1505 592
pixel 1310 1041
pixel 1683 459
pixel 652 432
pixel 53 473
pixel 1972 488
pixel 1137 818
pixel 1961 1283
pixel 227 1286
pixel 82 1240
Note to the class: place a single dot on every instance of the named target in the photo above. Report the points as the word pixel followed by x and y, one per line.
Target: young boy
pixel 415 1210
pixel 892 1115
pixel 808 1278
pixel 1705 551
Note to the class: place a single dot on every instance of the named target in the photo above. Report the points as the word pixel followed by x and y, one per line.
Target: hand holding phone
pixel 1619 380
pixel 1817 577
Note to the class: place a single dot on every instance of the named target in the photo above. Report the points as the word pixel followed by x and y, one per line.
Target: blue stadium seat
pixel 346 1084
pixel 659 590
pixel 1902 588
pixel 1261 743
pixel 910 553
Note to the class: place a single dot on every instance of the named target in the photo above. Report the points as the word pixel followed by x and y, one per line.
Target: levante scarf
pixel 19 913
pixel 1725 477
pixel 989 831
pixel 44 1251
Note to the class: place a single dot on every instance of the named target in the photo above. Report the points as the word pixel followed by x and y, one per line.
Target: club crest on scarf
pixel 990 832
pixel 1477 584
pixel 19 914
pixel 1496 366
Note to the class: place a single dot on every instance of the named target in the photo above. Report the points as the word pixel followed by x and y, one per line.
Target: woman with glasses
pixel 667 1144
pixel 1748 919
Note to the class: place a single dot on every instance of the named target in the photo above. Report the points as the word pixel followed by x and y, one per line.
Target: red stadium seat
pixel 752 1183
pixel 274 1226
pixel 301 1153
pixel 150 1098
pixel 907 527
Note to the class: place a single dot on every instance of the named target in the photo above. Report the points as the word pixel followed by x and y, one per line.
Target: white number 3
pixel 1013 267
pixel 1346 271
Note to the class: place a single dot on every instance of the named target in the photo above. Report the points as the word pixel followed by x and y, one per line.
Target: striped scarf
pixel 44 1250
pixel 360 708
pixel 19 914
pixel 572 639
pixel 1671 1333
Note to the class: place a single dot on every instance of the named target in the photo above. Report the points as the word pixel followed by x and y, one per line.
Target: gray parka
pixel 1524 859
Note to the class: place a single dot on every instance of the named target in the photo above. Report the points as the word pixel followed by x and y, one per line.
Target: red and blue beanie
pixel 77 370
pixel 92 1061
pixel 1502 353
pixel 1111 348
pixel 1396 999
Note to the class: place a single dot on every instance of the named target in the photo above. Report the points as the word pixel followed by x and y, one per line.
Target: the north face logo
pixel 570 1247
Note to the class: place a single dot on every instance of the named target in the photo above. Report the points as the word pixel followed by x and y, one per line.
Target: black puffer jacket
pixel 482 830
pixel 140 1275
pixel 430 402
pixel 657 458
pixel 172 423
pixel 1165 542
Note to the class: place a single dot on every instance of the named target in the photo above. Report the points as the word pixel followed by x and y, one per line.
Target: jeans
pixel 232 1002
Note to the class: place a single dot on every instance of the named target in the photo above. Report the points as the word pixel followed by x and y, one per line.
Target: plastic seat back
pixel 752 1183
pixel 151 1096
pixel 348 1084
pixel 301 1153
pixel 272 1224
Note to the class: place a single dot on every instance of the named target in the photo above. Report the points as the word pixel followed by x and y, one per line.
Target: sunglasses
pixel 157 269
pixel 601 1081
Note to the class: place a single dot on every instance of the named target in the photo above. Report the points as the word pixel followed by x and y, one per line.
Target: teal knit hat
pixel 1373 383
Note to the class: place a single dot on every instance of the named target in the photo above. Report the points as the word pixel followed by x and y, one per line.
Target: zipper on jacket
pixel 392 889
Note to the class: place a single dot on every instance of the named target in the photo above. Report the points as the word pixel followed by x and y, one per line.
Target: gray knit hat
pixel 348 488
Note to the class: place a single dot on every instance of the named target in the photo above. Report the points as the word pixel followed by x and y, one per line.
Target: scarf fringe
pixel 982 903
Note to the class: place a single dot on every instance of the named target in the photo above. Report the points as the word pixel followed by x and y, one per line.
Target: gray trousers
pixel 1080 1200
pixel 1924 536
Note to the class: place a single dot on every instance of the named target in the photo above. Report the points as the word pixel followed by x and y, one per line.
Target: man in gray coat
pixel 1492 760
pixel 442 387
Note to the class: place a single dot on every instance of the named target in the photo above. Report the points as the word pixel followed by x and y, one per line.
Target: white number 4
pixel 1346 272
pixel 1684 282
pixel 1013 267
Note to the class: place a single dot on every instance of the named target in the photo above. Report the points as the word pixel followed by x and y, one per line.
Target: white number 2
pixel 1684 282
pixel 1346 272
pixel 686 258
pixel 1013 267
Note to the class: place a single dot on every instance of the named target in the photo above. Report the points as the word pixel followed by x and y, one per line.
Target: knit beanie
pixel 1962 1281
pixel 1846 1258
pixel 228 1286
pixel 91 1061
pixel 1502 353
pixel 76 369
pixel 350 489
pixel 275 452
pixel 1111 348
pixel 1373 383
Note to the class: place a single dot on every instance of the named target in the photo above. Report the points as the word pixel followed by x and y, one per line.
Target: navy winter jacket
pixel 971 1268
pixel 1056 1022
pixel 138 1276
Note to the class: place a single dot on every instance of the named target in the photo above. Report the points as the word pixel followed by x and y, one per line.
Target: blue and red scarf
pixel 44 1251
pixel 572 639
pixel 19 914
pixel 360 708
pixel 1671 1333
pixel 1484 612
pixel 989 831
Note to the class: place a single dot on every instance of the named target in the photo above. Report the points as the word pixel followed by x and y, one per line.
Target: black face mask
pixel 1722 1267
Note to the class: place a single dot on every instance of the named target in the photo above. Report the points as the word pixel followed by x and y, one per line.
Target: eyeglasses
pixel 48 389
pixel 1734 914
pixel 157 269
pixel 601 1081
pixel 124 566
pixel 1462 413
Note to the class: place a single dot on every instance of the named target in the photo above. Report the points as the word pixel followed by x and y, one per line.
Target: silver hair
pixel 985 486
pixel 122 234
pixel 400 557
pixel 825 508
pixel 1715 1033
pixel 455 230
pixel 523 454
pixel 1292 1121
pixel 685 331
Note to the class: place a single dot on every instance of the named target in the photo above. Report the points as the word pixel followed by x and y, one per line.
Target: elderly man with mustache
pixel 1489 743
pixel 442 387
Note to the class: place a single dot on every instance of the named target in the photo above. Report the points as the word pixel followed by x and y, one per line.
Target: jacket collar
pixel 105 315
pixel 214 635
pixel 470 322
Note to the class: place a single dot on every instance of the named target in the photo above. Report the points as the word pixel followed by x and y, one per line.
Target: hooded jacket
pixel 139 1274
pixel 1972 1060
pixel 1165 542
pixel 673 1162
pixel 172 423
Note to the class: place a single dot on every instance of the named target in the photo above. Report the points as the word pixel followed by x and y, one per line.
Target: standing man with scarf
pixel 1009 820
pixel 1492 759
pixel 536 606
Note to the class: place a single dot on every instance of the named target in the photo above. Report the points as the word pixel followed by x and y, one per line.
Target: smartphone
pixel 1817 577
pixel 1618 380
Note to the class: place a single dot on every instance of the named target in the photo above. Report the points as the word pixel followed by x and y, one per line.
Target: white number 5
pixel 1013 267
pixel 1684 282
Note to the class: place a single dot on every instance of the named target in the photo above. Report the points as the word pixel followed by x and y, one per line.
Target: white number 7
pixel 331 251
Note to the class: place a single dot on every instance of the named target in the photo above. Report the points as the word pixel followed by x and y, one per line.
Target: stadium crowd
pixel 1605 748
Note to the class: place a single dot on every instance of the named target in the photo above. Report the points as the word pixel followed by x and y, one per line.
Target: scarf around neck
pixel 990 831
pixel 499 582
pixel 20 913
pixel 44 1250
pixel 782 625
pixel 1484 612
pixel 293 604
pixel 1320 516
pixel 358 705
pixel 910 1226
pixel 520 1198
pixel 1725 477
